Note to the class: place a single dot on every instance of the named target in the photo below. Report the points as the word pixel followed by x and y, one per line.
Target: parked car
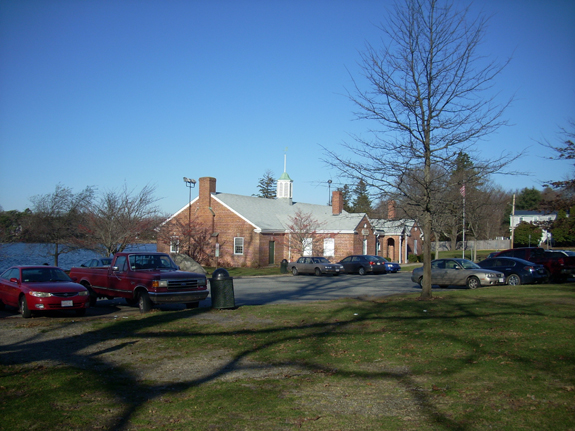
pixel 314 265
pixel 41 288
pixel 517 271
pixel 459 272
pixel 559 266
pixel 389 265
pixel 363 264
pixel 558 253
pixel 92 263
pixel 143 279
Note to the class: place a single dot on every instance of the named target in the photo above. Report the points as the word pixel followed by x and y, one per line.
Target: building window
pixel 238 245
pixel 307 245
pixel 175 245
pixel 329 247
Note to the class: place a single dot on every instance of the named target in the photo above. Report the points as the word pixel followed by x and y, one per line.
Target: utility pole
pixel 190 183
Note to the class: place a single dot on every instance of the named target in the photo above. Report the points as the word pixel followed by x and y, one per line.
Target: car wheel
pixel 144 302
pixel 24 310
pixel 420 281
pixel 513 280
pixel 473 282
pixel 361 270
pixel 2 305
pixel 317 272
pixel 93 297
pixel 192 305
pixel 80 312
pixel 294 271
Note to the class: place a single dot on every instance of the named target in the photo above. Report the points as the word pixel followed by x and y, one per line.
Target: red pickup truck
pixel 559 267
pixel 144 279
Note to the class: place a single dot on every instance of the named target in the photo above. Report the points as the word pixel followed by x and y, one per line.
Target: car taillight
pixel 372 263
pixel 529 268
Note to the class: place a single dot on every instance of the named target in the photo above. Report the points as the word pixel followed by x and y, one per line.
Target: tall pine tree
pixel 267 186
pixel 362 201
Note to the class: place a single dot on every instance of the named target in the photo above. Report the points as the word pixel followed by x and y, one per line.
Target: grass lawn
pixel 493 358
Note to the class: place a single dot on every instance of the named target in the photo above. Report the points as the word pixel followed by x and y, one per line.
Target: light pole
pixel 329 192
pixel 190 183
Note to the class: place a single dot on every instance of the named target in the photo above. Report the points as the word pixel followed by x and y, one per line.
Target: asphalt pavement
pixel 263 290
pixel 285 289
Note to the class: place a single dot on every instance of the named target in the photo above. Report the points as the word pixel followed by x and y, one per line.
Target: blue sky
pixel 106 93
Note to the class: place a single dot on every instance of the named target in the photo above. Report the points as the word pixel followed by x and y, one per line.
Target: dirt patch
pixel 52 341
pixel 81 343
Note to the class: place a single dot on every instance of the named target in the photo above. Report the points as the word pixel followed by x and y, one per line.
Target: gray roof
pixel 392 227
pixel 273 215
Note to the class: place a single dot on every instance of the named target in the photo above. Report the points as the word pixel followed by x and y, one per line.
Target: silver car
pixel 459 272
pixel 314 265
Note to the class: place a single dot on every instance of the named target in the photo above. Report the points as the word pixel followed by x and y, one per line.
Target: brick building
pixel 253 231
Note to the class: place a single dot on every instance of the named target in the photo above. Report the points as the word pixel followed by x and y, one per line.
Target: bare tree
pixel 119 218
pixel 423 93
pixel 565 197
pixel 302 234
pixel 57 219
pixel 193 238
pixel 486 211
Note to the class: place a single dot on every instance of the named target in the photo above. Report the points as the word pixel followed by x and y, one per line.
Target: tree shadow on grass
pixel 90 351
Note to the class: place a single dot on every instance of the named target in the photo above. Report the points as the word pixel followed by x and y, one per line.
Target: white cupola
pixel 285 185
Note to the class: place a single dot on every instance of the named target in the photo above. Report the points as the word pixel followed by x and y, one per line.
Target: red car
pixel 41 288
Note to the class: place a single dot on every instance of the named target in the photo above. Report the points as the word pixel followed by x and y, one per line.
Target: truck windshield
pixel 151 261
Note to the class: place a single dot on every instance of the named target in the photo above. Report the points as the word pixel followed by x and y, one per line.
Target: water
pixel 38 254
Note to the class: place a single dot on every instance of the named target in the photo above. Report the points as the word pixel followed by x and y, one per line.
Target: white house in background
pixel 532 217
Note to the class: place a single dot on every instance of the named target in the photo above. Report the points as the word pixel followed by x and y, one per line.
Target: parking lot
pixel 272 290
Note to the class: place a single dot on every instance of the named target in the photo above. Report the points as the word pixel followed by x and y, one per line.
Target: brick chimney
pixel 207 187
pixel 391 210
pixel 336 202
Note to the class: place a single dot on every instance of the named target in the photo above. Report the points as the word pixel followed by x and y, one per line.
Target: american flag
pixel 462 190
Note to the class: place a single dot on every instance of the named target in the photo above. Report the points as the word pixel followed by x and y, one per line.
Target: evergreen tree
pixel 527 234
pixel 563 229
pixel 528 199
pixel 267 186
pixel 346 197
pixel 362 201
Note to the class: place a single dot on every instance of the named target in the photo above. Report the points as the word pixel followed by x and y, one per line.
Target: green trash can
pixel 284 266
pixel 222 289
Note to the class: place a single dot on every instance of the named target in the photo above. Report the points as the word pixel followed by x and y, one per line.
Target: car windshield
pixel 44 275
pixel 467 264
pixel 150 261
